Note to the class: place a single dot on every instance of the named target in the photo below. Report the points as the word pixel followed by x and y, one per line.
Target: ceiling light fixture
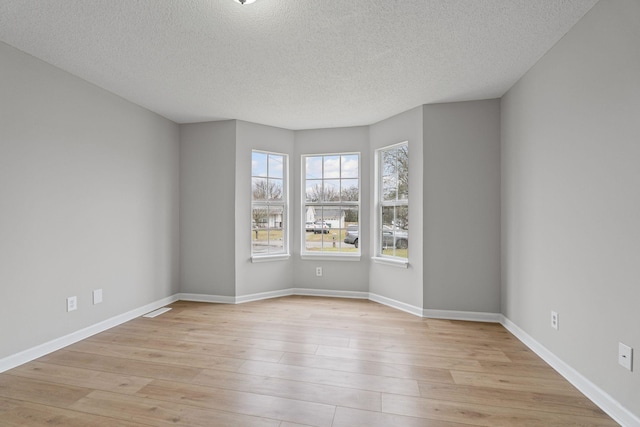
pixel 244 1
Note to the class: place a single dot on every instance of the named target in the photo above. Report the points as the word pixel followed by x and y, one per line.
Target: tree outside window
pixel 268 203
pixel 393 201
pixel 331 203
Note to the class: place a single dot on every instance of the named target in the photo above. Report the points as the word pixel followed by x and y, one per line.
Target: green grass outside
pixel 275 235
pixel 313 237
pixel 333 236
pixel 400 253
pixel 264 235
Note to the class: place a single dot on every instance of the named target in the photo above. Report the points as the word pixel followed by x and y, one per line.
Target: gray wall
pixel 253 278
pixel 337 275
pixel 462 206
pixel 571 241
pixel 404 285
pixel 207 208
pixel 215 220
pixel 89 200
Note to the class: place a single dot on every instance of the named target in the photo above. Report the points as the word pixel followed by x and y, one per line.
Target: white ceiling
pixel 297 64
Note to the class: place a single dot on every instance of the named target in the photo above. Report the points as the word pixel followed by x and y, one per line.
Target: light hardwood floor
pixel 294 361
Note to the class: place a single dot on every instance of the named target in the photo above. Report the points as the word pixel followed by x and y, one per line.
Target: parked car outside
pixel 351 237
pixel 390 238
pixel 309 226
pixel 321 227
pixel 396 238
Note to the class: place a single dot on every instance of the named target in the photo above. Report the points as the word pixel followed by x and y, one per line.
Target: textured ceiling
pixel 297 64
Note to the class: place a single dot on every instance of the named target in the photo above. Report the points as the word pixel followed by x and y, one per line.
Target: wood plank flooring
pixel 294 361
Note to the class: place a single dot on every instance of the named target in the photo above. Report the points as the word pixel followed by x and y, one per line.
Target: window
pixel 331 207
pixel 393 201
pixel 268 204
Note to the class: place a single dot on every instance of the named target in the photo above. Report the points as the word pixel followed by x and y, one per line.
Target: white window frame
pixel 379 257
pixel 329 255
pixel 266 204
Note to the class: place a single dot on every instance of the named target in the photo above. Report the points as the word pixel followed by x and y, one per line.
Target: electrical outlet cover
pixel 97 296
pixel 625 356
pixel 554 320
pixel 72 304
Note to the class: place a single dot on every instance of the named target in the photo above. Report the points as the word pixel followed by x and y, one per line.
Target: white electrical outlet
pixel 97 296
pixel 319 271
pixel 625 356
pixel 72 304
pixel 554 320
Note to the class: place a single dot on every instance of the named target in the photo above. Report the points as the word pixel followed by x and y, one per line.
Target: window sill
pixel 394 262
pixel 330 257
pixel 269 258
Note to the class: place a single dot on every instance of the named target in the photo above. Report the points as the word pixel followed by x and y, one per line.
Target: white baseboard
pixel 263 295
pixel 30 354
pixel 330 293
pixel 598 396
pixel 470 316
pixel 272 294
pixel 408 308
pixel 218 299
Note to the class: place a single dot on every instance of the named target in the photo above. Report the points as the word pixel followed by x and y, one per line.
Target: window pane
pixel 310 217
pixel 314 190
pixel 276 164
pixel 258 164
pixel 350 166
pixel 313 241
pixel 260 188
pixel 388 214
pixel 389 187
pixel 403 189
pixel 318 228
pixel 332 167
pixel 389 163
pixel 350 216
pixel 331 190
pixel 259 217
pixel 259 238
pixel 332 216
pixel 276 233
pixel 395 243
pixel 276 189
pixel 403 173
pixel 351 238
pixel 395 217
pixel 402 218
pixel 268 234
pixel 313 167
pixel 276 241
pixel 350 190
